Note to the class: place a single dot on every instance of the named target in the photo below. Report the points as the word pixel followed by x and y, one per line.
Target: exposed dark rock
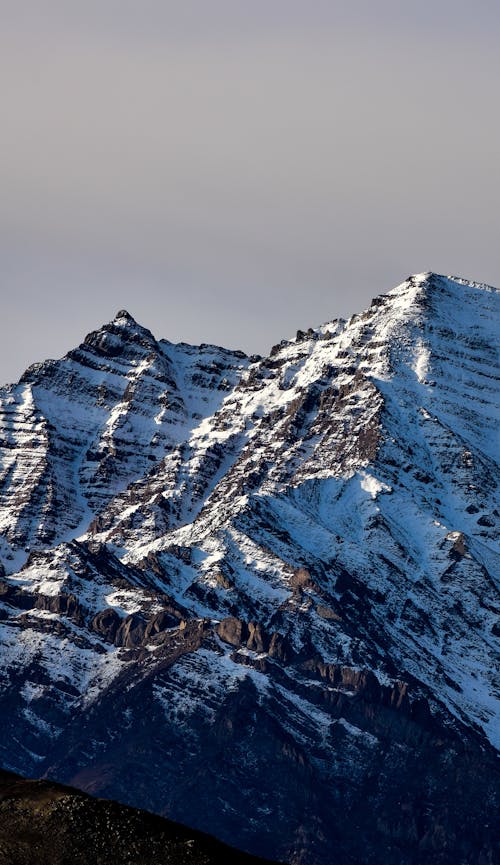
pixel 233 631
pixel 16 597
pixel 160 622
pixel 65 604
pixel 487 520
pixel 224 581
pixel 131 632
pixel 257 640
pixel 106 624
pixel 301 579
pixel 328 613
pixel 280 648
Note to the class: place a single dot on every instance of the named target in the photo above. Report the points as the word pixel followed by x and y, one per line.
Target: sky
pixel 232 170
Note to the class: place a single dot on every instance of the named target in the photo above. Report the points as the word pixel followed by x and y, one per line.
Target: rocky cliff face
pixel 259 595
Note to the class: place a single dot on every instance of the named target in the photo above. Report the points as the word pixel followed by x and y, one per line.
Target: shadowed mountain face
pixel 258 595
pixel 50 824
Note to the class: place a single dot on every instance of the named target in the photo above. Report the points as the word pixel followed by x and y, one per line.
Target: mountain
pixel 88 831
pixel 258 595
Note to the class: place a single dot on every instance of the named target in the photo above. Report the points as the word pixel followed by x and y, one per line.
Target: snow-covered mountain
pixel 259 595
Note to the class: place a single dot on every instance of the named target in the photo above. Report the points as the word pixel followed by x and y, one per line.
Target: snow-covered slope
pixel 75 432
pixel 233 566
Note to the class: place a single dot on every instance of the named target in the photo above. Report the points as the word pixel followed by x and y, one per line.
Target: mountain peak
pixel 124 317
pixel 121 334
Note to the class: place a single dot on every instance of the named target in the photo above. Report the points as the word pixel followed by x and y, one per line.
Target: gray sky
pixel 231 170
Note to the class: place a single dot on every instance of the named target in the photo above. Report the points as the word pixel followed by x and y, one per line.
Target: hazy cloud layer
pixel 230 171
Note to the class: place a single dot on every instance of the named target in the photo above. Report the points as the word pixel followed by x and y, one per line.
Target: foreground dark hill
pixel 260 595
pixel 42 823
